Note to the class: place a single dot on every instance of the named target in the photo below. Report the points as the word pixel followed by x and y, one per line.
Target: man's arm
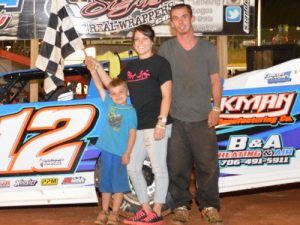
pixel 216 84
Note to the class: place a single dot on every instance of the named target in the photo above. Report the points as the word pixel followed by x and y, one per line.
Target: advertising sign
pixel 259 128
pixel 27 19
pixel 223 17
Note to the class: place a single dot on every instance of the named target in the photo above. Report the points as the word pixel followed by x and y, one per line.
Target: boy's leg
pixel 105 197
pixel 113 218
pixel 102 216
pixel 117 201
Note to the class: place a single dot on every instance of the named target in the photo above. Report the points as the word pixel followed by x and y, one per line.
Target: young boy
pixel 116 141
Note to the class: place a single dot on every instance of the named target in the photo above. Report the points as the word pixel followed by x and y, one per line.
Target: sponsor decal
pixel 50 139
pixel 25 183
pixel 51 162
pixel 4 183
pixel 233 14
pixel 49 181
pixel 257 109
pixel 246 16
pixel 244 151
pixel 7 8
pixel 278 77
pixel 73 180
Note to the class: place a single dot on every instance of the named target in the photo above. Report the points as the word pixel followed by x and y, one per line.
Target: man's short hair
pixel 180 6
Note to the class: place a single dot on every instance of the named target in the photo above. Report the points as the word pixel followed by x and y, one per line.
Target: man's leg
pixel 205 154
pixel 180 164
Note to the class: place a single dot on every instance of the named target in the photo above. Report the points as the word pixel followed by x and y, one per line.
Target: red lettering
pixel 116 9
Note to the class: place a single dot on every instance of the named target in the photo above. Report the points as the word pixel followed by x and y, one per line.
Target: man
pixel 193 143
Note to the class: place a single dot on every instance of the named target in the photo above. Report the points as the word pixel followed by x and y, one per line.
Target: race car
pixel 48 153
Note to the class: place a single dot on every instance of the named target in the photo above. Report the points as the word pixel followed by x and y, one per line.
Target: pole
pixel 259 22
pixel 222 53
pixel 34 51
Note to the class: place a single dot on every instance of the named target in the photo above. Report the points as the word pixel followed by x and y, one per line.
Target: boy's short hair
pixel 115 82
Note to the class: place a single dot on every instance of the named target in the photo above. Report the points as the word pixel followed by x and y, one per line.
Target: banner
pixel 27 19
pixel 223 17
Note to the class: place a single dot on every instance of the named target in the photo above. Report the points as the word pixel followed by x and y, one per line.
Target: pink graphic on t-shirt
pixel 133 77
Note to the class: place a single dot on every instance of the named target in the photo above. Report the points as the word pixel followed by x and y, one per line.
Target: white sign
pixel 208 15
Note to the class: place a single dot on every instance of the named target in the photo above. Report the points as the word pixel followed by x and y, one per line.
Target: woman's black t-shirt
pixel 144 77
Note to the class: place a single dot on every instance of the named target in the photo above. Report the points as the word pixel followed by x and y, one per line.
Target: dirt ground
pixel 270 206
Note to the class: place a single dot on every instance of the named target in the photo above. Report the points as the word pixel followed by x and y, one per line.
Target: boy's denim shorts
pixel 113 174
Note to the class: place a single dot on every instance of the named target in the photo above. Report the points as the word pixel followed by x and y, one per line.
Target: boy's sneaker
pixel 151 218
pixel 211 215
pixel 181 214
pixel 139 216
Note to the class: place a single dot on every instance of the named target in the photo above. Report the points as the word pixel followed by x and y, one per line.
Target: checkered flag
pixel 60 40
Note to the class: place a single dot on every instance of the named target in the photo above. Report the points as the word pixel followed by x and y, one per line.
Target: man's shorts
pixel 113 174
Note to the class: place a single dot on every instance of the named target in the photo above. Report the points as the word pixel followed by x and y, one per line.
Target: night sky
pixel 275 12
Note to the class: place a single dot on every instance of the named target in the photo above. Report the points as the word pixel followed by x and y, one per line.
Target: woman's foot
pixel 139 216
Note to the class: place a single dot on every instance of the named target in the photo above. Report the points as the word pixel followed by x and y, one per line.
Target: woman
pixel 150 82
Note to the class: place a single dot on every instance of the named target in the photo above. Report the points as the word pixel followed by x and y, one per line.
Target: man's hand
pixel 213 118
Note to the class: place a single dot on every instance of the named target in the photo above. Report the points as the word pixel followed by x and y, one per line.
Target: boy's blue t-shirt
pixel 119 120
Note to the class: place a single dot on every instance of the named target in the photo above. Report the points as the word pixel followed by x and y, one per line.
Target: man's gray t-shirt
pixel 191 70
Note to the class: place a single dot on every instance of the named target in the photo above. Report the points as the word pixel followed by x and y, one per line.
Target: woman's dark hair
pixel 180 6
pixel 146 30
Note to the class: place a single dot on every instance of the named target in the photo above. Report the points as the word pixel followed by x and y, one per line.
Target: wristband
pixel 216 109
pixel 160 126
pixel 162 119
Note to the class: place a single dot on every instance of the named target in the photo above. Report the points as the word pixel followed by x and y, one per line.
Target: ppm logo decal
pixel 7 7
pixel 49 181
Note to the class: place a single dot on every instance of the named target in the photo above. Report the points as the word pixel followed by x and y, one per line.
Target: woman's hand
pixel 159 131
